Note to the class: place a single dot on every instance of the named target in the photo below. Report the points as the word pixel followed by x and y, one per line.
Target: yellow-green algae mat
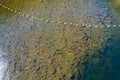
pixel 19 5
pixel 115 8
pixel 55 52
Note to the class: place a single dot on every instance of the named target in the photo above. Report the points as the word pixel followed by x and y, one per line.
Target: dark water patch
pixel 115 61
pixel 110 70
pixel 113 72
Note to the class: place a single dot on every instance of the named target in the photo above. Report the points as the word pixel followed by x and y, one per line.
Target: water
pixel 3 67
pixel 101 65
pixel 114 73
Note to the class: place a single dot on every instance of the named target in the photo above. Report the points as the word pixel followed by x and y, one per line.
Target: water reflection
pixel 3 66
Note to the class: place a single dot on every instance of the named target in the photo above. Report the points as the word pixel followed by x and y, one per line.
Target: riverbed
pixel 60 40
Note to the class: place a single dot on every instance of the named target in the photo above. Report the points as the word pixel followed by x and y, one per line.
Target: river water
pixel 30 45
pixel 3 66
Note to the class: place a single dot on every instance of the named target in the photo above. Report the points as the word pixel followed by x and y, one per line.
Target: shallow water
pixel 3 67
pixel 53 49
